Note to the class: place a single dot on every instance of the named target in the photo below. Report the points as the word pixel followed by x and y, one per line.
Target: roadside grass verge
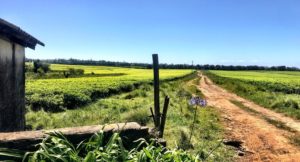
pixel 134 106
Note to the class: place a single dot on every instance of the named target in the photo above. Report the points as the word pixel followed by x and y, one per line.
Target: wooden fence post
pixel 164 117
pixel 156 90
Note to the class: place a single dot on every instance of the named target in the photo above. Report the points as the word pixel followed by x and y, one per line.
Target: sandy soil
pixel 261 141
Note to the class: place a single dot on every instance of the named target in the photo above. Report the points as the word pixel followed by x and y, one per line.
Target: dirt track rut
pixel 262 141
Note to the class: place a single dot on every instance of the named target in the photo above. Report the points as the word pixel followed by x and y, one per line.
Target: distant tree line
pixel 163 66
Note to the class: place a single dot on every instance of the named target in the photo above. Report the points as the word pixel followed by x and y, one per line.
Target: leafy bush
pixel 73 71
pixel 28 67
pixel 40 65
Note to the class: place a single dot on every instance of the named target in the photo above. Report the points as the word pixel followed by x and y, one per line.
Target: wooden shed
pixel 13 42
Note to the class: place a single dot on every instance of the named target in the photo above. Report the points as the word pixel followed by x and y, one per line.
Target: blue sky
pixel 238 32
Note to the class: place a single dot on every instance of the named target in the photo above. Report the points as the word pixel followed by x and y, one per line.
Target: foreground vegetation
pixel 206 139
pixel 277 90
pixel 57 148
pixel 53 92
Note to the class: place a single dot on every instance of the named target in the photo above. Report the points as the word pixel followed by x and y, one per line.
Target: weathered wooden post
pixel 164 117
pixel 159 119
pixel 156 91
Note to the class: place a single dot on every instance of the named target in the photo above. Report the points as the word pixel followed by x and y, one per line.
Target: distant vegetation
pixel 37 67
pixel 72 86
pixel 164 66
pixel 272 89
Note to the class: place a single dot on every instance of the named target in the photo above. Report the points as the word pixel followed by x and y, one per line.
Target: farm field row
pixel 68 93
pixel 277 90
pixel 289 77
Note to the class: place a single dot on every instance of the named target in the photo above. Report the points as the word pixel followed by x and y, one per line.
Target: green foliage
pixel 289 103
pixel 28 67
pixel 73 72
pixel 56 147
pixel 271 89
pixel 140 116
pixel 287 82
pixel 69 93
pixel 208 131
pixel 39 67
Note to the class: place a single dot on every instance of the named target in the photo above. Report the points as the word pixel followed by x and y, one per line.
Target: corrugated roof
pixel 17 35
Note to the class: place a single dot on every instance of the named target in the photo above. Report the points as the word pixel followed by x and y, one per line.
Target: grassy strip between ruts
pixel 274 122
pixel 134 106
pixel 294 138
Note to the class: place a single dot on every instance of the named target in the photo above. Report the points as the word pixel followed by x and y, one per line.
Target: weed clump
pixel 286 104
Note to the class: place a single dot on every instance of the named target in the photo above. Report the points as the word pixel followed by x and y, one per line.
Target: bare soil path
pixel 262 141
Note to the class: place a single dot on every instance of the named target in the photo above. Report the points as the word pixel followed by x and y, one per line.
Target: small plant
pixel 195 101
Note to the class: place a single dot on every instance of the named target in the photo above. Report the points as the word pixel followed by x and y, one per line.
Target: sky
pixel 229 32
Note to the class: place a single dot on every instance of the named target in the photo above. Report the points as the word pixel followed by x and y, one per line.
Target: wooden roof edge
pixel 15 33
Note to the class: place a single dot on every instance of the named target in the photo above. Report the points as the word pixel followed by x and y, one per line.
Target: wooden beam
pixel 27 140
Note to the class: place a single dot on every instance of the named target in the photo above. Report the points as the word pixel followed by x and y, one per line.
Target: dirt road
pixel 262 141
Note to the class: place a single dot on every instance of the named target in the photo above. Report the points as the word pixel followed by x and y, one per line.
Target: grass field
pixel 134 106
pixel 97 82
pixel 124 98
pixel 276 90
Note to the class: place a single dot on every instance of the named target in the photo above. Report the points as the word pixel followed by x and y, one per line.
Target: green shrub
pixel 48 102
pixel 28 67
pixel 73 71
pixel 286 104
pixel 40 65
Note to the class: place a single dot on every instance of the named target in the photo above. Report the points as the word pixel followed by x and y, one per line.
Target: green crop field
pixel 102 95
pixel 278 90
pixel 57 94
pixel 134 106
pixel 288 78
